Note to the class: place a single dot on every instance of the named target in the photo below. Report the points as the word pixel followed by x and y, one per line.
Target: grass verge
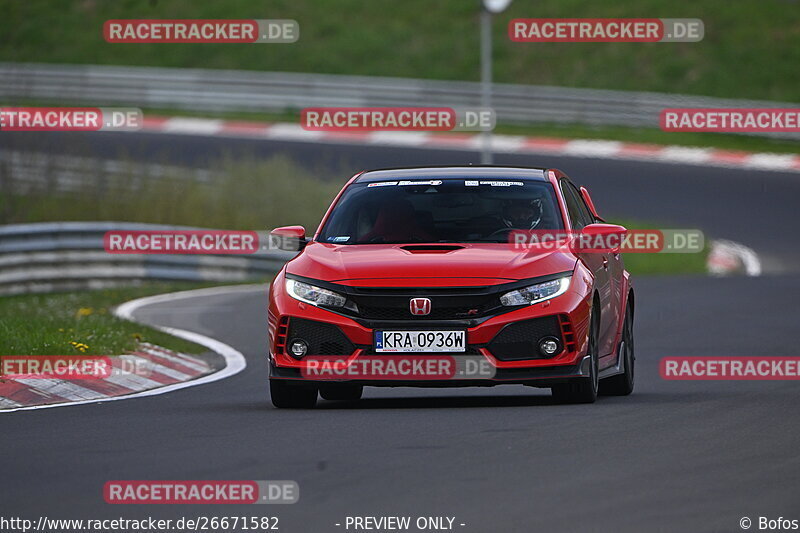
pixel 665 264
pixel 60 323
pixel 646 264
pixel 239 194
pixel 749 49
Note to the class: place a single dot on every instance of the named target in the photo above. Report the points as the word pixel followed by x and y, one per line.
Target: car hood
pixel 462 264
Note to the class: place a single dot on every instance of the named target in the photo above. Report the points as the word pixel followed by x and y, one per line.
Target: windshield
pixel 449 210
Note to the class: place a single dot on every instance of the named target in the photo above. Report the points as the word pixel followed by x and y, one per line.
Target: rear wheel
pixel 584 390
pixel 342 392
pixel 288 395
pixel 622 384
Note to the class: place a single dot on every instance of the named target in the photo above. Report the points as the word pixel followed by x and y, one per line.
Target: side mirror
pixel 288 238
pixel 590 203
pixel 601 238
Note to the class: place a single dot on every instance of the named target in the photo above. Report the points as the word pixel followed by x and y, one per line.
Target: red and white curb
pixel 169 371
pixel 728 257
pixel 164 367
pixel 515 144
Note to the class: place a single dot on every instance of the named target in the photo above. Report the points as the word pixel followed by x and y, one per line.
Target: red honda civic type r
pixel 416 277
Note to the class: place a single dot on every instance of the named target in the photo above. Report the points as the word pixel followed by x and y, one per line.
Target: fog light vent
pixel 298 348
pixel 549 346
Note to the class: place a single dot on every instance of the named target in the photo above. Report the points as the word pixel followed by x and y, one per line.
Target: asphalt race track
pixel 675 456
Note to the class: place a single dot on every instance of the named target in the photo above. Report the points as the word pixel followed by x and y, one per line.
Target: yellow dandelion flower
pixel 80 346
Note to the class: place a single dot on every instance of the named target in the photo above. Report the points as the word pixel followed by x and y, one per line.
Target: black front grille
pixel 403 313
pixel 446 304
pixel 321 338
pixel 520 340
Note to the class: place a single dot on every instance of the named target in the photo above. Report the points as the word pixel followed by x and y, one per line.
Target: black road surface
pixel 675 456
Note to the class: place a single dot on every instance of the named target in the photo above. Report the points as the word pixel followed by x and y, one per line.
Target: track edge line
pixel 235 361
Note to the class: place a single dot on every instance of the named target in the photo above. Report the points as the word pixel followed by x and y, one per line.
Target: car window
pixel 461 209
pixel 578 213
pixel 586 213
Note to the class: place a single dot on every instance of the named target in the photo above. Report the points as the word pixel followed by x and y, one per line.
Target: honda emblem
pixel 420 306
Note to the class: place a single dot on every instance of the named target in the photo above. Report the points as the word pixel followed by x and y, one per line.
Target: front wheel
pixel 584 390
pixel 622 384
pixel 288 395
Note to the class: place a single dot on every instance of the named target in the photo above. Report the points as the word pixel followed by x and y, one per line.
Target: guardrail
pixel 27 171
pixel 234 90
pixel 45 257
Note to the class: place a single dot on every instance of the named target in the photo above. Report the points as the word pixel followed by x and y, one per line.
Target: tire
pixel 622 384
pixel 287 395
pixel 342 392
pixel 584 390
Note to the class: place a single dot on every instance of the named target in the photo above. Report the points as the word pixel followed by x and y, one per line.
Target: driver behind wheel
pixel 522 214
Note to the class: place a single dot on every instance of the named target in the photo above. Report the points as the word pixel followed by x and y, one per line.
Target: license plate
pixel 420 341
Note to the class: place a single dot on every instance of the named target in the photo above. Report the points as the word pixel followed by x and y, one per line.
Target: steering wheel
pixel 500 232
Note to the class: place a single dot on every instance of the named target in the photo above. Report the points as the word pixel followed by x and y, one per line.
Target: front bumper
pixel 532 377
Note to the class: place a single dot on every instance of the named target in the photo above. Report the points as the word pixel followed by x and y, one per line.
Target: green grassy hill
pixel 751 47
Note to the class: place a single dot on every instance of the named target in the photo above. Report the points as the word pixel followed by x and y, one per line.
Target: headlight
pixel 536 293
pixel 314 295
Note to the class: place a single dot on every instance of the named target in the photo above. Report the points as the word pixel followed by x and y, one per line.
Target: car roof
pixel 477 171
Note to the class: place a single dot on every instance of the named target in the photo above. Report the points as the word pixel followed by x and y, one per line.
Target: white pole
pixel 486 81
